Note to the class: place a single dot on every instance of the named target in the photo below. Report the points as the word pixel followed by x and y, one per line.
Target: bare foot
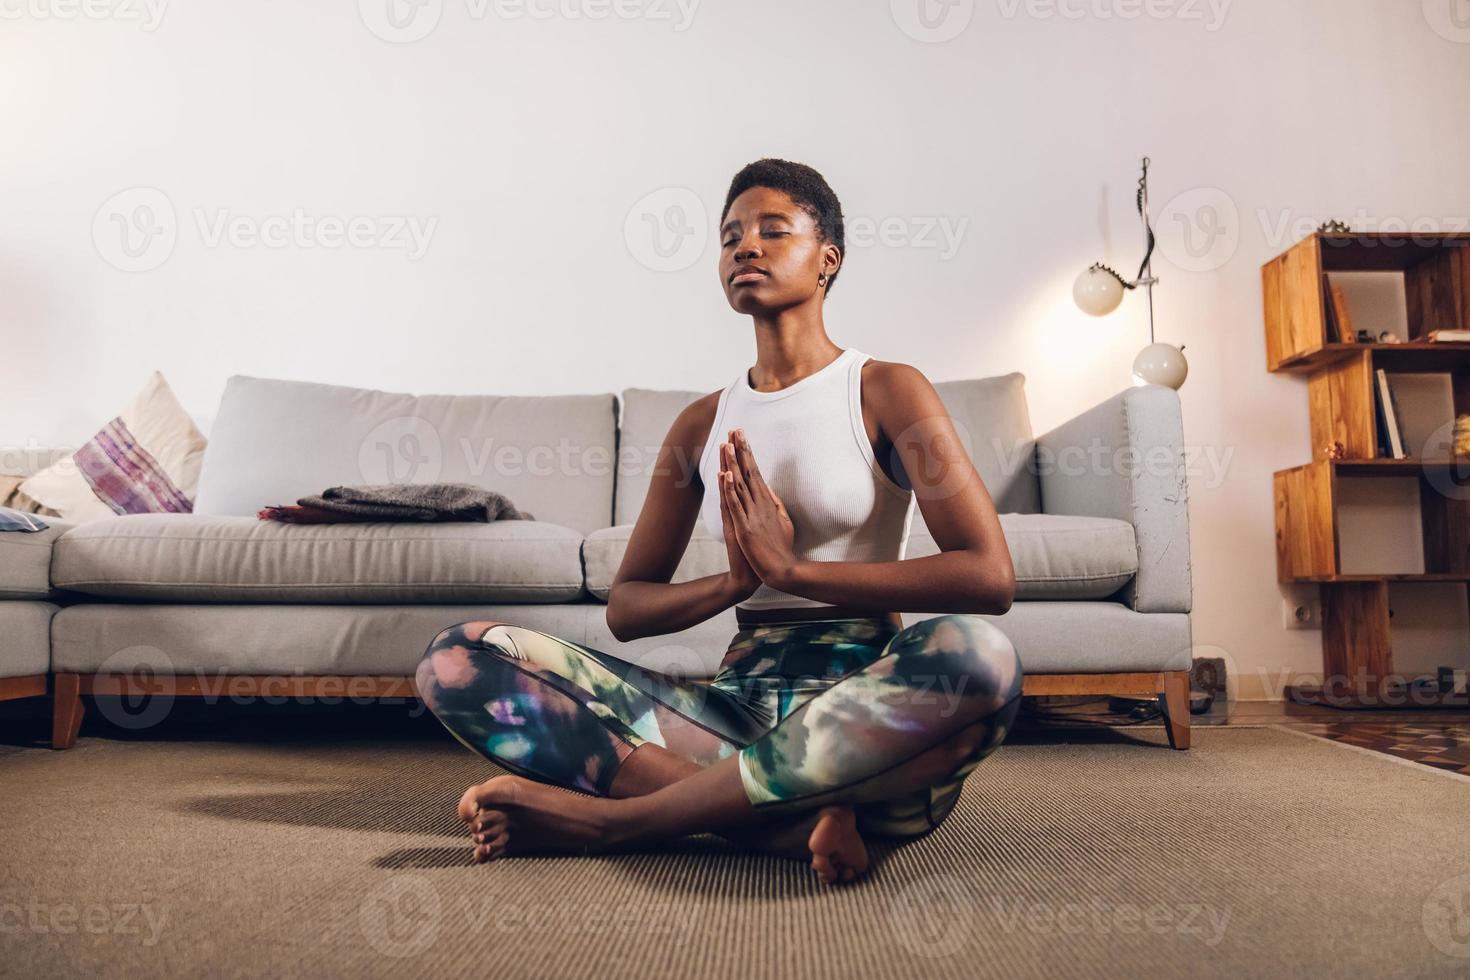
pixel 838 851
pixel 512 815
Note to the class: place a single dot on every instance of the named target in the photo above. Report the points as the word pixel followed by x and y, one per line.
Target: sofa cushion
pixel 989 415
pixel 274 442
pixel 1057 557
pixel 992 420
pixel 602 553
pixel 25 560
pixel 26 648
pixel 1082 637
pixel 189 557
pixel 290 640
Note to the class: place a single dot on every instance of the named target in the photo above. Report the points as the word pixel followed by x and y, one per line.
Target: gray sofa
pixel 1095 513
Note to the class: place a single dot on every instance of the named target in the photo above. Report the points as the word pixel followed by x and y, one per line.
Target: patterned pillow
pixel 145 460
pixel 125 476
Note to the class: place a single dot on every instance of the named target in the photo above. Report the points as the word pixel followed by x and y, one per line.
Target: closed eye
pixel 764 234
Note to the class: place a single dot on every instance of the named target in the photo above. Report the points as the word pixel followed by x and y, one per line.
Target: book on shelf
pixel 1339 319
pixel 1424 405
pixel 1448 336
pixel 1391 434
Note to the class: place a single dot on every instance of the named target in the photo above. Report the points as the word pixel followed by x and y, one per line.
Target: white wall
pixel 529 139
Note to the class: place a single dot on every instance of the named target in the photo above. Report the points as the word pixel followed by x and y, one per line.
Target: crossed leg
pixel 578 719
pixel 828 837
pixel 912 723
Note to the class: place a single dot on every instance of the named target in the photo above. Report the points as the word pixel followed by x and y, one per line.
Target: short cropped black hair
pixel 804 186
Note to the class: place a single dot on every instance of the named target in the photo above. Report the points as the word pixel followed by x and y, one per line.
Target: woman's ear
pixel 831 260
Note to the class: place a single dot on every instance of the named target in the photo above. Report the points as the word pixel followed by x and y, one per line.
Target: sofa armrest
pixel 1124 459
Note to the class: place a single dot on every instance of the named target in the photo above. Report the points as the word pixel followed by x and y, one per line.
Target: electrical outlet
pixel 1301 613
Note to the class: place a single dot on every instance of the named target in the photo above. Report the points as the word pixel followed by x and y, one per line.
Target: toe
pixel 489 822
pixel 468 805
pixel 822 865
pixel 496 793
pixel 491 848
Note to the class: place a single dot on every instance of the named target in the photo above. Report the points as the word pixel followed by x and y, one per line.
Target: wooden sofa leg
pixel 66 710
pixel 1176 708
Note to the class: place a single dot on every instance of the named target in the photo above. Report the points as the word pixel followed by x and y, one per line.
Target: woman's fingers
pixel 739 496
pixel 743 462
pixel 780 507
pixel 735 501
pixel 746 459
pixel 724 501
pixel 728 501
pixel 742 488
pixel 727 508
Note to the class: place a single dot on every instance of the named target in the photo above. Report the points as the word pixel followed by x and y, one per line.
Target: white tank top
pixel 810 444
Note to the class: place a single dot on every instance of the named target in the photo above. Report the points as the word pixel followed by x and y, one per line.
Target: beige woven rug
pixel 1261 852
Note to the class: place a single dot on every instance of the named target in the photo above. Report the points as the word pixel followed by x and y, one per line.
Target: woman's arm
pixel 973 572
pixel 642 601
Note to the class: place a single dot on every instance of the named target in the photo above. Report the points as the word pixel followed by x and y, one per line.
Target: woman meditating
pixel 828 720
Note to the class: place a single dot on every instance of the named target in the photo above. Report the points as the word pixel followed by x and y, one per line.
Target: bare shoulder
pixel 894 386
pixel 691 427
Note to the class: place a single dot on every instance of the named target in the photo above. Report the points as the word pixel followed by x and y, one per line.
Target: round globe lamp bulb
pixel 1160 364
pixel 1097 293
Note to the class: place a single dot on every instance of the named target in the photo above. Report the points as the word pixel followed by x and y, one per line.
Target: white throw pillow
pixel 159 425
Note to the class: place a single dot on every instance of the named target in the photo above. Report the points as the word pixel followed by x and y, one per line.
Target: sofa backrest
pixel 647 416
pixel 989 414
pixel 273 442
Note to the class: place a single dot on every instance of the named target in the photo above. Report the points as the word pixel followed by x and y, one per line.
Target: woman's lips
pixel 746 277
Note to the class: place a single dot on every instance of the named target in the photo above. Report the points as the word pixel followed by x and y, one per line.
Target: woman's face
pixel 771 253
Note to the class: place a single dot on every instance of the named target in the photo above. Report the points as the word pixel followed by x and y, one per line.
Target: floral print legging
pixel 852 711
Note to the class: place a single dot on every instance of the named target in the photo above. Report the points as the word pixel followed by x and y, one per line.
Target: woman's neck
pixel 788 347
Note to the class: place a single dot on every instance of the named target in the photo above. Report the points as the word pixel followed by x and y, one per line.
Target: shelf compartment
pixel 1311 500
pixel 1416 355
pixel 1436 271
pixel 1342 397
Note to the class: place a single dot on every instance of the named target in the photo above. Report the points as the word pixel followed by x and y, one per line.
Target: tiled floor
pixel 1438 738
pixel 1443 744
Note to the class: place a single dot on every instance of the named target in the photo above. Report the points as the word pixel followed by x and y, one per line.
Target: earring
pixel 822 279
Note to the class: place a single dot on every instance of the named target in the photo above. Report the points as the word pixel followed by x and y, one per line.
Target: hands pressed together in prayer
pixel 759 534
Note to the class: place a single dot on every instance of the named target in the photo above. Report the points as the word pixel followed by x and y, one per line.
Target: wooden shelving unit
pixel 1357 648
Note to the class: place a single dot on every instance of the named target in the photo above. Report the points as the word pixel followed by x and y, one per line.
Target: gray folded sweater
pixel 419 502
